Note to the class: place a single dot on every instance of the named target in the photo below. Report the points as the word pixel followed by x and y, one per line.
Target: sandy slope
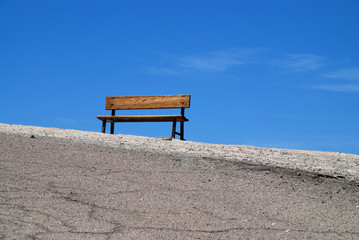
pixel 333 164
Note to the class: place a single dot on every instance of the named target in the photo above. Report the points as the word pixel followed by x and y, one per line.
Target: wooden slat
pixel 165 118
pixel 147 102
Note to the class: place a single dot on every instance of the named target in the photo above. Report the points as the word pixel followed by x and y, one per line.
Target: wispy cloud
pixel 342 80
pixel 212 62
pixel 345 74
pixel 300 62
pixel 221 61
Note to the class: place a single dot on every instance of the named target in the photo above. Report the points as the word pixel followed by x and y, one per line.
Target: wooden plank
pixel 148 102
pixel 161 118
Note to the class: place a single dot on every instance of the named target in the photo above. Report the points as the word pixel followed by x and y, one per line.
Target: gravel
pixel 332 164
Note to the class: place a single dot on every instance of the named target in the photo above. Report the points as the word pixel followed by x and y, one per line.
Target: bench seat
pixel 114 103
pixel 159 118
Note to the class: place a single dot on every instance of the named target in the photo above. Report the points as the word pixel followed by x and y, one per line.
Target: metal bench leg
pixel 113 113
pixel 174 129
pixel 112 127
pixel 103 126
pixel 182 131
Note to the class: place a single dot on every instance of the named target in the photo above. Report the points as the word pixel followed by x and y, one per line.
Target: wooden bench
pixel 147 102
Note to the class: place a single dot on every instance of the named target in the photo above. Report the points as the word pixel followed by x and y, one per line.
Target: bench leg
pixel 112 127
pixel 103 126
pixel 182 131
pixel 174 129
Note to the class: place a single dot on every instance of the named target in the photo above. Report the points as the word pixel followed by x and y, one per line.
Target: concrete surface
pixel 333 164
pixel 55 189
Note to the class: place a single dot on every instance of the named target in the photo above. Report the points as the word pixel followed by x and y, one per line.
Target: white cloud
pixel 300 62
pixel 346 74
pixel 213 62
pixel 342 80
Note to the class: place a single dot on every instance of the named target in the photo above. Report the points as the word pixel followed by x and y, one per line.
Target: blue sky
pixel 275 73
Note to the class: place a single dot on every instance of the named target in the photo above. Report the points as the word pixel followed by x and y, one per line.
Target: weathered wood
pixel 165 118
pixel 148 102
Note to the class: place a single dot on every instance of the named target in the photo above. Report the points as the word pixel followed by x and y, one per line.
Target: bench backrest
pixel 148 102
